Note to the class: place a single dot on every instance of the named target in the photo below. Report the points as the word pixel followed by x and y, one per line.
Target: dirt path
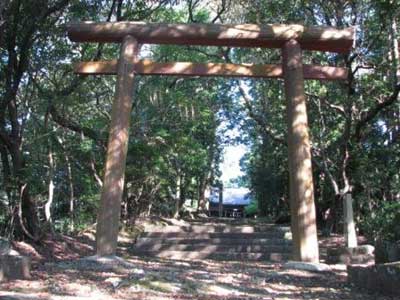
pixel 59 274
pixel 165 279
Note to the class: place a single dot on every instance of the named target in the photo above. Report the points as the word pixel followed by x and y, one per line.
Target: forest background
pixel 54 124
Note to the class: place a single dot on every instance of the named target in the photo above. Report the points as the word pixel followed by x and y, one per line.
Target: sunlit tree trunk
pixel 394 51
pixel 50 199
pixel 202 194
pixel 178 195
pixel 6 171
pixel 71 195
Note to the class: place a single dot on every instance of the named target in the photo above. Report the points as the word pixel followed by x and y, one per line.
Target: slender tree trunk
pixel 71 194
pixel 202 195
pixel 6 174
pixel 71 207
pixel 28 217
pixel 28 214
pixel 178 195
pixel 49 203
pixel 395 56
pixel 184 186
pixel 221 201
pixel 205 179
pixel 150 206
pixel 94 171
pixel 6 171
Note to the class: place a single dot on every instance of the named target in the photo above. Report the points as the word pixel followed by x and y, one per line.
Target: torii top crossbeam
pixel 241 35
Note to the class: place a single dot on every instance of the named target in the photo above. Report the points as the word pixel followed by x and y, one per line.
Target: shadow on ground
pixel 60 275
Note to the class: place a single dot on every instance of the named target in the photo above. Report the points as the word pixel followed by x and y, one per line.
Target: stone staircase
pixel 216 240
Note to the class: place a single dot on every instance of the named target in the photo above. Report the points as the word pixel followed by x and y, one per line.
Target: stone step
pixel 227 221
pixel 212 228
pixel 211 235
pixel 223 256
pixel 219 241
pixel 212 248
pixel 213 241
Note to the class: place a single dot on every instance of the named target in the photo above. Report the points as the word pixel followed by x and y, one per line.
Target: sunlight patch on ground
pixel 222 290
pixel 153 278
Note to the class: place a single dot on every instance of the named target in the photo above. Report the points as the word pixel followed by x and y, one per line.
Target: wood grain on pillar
pixel 302 205
pixel 113 185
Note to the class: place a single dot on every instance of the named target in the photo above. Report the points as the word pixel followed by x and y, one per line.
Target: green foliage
pixel 176 139
pixel 384 222
pixel 251 209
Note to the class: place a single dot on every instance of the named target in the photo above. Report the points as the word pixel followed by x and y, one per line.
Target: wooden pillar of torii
pixel 290 38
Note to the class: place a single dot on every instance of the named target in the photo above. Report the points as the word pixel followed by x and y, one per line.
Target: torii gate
pixel 292 39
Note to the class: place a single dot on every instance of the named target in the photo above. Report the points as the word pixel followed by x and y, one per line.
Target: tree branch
pixel 5 138
pixel 338 108
pixel 72 125
pixel 220 11
pixel 373 112
pixel 259 120
pixel 191 7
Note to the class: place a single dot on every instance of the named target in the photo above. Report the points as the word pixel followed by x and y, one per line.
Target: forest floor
pixel 58 273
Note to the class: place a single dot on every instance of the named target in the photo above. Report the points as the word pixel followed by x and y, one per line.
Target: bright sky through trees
pixel 230 167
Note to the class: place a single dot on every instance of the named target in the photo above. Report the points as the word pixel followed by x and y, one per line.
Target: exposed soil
pixel 58 273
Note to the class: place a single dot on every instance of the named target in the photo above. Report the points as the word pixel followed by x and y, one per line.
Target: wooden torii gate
pixel 292 39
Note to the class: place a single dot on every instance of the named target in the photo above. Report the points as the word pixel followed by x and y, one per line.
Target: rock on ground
pixel 12 264
pixel 306 266
pixel 384 278
pixel 363 254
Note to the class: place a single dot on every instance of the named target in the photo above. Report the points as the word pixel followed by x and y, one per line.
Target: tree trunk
pixel 221 201
pixel 6 171
pixel 202 205
pixel 178 196
pixel 29 220
pixel 333 217
pixel 71 195
pixel 395 56
pixel 71 207
pixel 49 203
